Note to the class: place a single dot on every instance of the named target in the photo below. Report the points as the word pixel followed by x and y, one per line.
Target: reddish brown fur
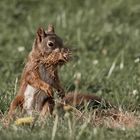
pixel 40 70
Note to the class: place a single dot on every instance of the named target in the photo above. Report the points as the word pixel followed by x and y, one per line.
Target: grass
pixel 105 34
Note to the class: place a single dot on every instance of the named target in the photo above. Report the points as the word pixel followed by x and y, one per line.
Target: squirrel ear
pixel 50 28
pixel 40 33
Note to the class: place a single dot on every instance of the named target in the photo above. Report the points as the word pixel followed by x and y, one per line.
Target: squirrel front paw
pixel 48 91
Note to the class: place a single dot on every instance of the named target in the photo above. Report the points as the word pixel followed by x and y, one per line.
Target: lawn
pixel 105 37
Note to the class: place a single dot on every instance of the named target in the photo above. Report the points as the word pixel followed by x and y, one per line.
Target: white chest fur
pixel 28 98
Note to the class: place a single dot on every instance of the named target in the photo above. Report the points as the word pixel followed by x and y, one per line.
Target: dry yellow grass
pixel 110 118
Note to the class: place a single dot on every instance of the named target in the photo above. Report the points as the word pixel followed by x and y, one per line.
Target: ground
pixel 105 37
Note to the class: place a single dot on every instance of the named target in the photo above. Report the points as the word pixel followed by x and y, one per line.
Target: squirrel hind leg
pixel 47 109
pixel 17 101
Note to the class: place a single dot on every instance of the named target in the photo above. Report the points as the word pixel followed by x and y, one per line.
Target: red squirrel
pixel 41 69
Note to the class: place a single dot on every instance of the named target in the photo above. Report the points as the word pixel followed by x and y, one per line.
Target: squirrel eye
pixel 50 44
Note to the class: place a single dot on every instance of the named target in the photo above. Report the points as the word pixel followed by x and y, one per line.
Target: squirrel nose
pixel 50 44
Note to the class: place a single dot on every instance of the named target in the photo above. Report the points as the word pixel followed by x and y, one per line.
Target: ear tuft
pixel 40 33
pixel 50 28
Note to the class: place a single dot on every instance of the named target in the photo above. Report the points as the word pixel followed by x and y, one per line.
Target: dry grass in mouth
pixel 57 57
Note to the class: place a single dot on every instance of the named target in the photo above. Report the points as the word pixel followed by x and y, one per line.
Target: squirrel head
pixel 48 41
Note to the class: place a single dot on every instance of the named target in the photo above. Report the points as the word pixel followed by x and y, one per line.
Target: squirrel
pixel 45 105
pixel 41 69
